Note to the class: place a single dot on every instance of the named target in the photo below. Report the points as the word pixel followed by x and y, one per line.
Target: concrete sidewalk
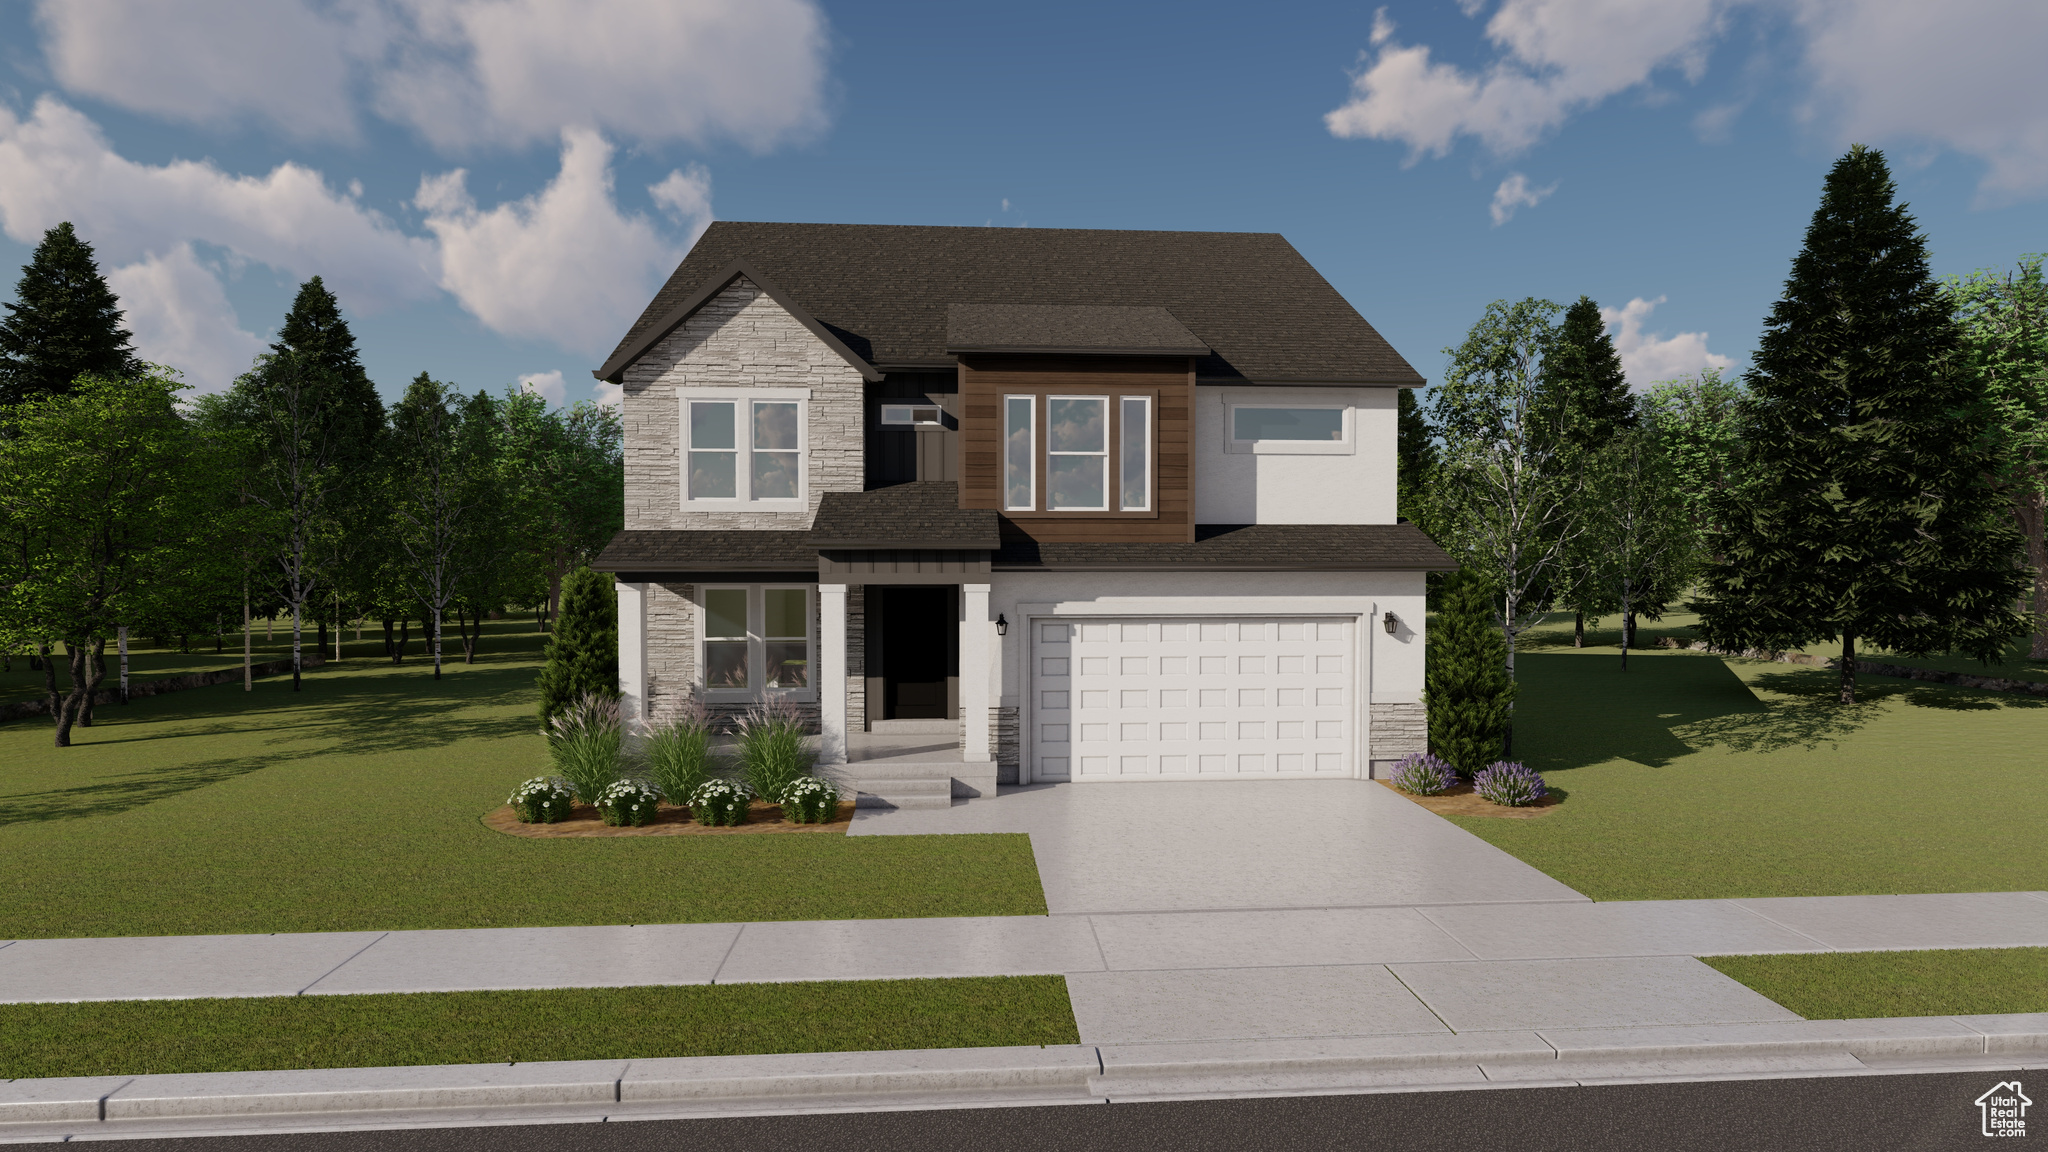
pixel 1138 978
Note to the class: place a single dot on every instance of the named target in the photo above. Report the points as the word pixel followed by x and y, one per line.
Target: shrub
pixel 774 752
pixel 1423 775
pixel 1508 783
pixel 678 753
pixel 1465 684
pixel 719 803
pixel 584 741
pixel 583 649
pixel 811 800
pixel 542 800
pixel 628 804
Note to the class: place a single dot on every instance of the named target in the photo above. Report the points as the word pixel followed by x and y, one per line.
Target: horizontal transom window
pixel 1302 429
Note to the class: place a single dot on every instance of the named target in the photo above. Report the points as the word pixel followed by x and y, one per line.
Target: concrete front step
pixel 924 792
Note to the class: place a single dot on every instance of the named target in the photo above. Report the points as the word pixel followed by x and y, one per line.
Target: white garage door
pixel 1192 698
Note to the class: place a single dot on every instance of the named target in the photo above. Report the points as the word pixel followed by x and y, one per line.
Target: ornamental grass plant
pixel 584 739
pixel 678 752
pixel 1421 774
pixel 774 751
pixel 1509 784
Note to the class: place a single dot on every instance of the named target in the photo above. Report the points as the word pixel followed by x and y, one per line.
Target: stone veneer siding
pixel 1397 730
pixel 741 338
pixel 1008 749
pixel 856 659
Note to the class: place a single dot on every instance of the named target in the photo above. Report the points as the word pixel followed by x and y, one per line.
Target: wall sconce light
pixel 1392 622
pixel 1002 625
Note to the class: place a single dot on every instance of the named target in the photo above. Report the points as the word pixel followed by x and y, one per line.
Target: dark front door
pixel 920 651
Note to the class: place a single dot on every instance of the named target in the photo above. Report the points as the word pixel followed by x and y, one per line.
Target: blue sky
pixel 1662 156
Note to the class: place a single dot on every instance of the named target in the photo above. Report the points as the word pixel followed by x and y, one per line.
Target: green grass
pixel 356 805
pixel 143 1037
pixel 1941 982
pixel 1693 776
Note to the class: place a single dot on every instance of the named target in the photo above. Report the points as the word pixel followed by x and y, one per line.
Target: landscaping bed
pixel 1462 801
pixel 670 820
pixel 154 1037
pixel 1934 982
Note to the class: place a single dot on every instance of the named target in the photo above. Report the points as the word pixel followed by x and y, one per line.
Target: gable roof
pixel 882 292
pixel 648 335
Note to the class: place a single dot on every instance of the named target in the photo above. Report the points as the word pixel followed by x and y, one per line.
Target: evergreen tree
pixel 318 334
pixel 583 653
pixel 1415 457
pixel 64 322
pixel 1862 507
pixel 1466 687
pixel 1586 399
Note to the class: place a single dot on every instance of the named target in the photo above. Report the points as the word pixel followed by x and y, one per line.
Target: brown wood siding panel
pixel 985 379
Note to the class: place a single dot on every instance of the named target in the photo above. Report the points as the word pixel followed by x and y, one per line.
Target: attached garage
pixel 1197 697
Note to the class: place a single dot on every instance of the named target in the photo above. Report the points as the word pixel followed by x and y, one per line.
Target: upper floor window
pixel 744 448
pixel 1085 453
pixel 1305 429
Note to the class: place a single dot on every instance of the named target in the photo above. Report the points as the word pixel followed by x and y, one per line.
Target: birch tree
pixel 1505 485
pixel 439 480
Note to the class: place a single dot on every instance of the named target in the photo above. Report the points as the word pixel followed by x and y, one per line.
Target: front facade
pixel 1040 505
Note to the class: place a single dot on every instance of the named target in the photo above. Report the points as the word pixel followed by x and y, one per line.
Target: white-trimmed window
pixel 758 639
pixel 1020 453
pixel 1268 428
pixel 745 448
pixel 1077 453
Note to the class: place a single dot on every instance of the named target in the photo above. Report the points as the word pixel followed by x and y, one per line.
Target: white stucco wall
pixel 1277 487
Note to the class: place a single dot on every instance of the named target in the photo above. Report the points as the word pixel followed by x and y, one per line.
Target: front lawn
pixel 358 805
pixel 1694 776
pixel 143 1037
pixel 1937 982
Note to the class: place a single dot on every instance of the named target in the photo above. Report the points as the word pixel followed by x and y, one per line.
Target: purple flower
pixel 1509 783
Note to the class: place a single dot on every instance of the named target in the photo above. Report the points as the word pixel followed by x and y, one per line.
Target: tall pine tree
pixel 64 322
pixel 1862 508
pixel 1587 395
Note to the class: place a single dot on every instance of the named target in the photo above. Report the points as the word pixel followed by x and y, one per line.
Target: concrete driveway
pixel 1182 846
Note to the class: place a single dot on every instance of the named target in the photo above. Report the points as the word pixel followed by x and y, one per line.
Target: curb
pixel 704 1086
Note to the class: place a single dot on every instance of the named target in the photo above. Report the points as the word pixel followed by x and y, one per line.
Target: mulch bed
pixel 1462 801
pixel 669 820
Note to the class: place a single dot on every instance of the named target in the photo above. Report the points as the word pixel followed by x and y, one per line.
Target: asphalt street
pixel 1851 1112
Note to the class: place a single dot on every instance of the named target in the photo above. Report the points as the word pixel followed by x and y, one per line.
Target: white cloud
pixel 565 264
pixel 1558 56
pixel 1515 192
pixel 463 73
pixel 181 317
pixel 1648 358
pixel 548 386
pixel 1957 75
pixel 56 165
pixel 272 60
pixel 609 393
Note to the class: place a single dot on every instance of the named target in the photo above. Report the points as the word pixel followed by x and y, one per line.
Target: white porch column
pixel 633 708
pixel 977 653
pixel 831 674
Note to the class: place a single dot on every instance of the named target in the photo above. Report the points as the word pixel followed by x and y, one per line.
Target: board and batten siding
pixel 740 338
pixel 985 380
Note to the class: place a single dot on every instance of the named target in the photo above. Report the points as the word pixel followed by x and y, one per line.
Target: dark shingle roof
pixel 727 549
pixel 923 514
pixel 884 291
pixel 1083 328
pixel 1279 547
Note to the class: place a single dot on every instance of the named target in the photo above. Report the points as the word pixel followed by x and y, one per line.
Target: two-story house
pixel 1052 505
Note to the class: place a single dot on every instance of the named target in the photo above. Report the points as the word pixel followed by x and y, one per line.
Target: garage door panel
pixel 1246 697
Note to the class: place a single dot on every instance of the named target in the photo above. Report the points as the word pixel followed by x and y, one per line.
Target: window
pixel 745 448
pixel 1020 452
pixel 1135 462
pixel 1077 453
pixel 1288 429
pixel 757 638
pixel 912 415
